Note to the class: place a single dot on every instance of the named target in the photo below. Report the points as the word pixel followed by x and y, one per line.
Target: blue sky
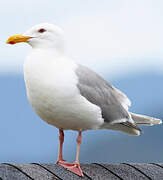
pixel 122 40
pixel 113 36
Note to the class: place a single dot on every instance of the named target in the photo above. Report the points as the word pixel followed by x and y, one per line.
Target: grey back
pixel 99 92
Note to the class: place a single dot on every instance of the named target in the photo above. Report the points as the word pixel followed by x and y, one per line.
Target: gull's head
pixel 43 35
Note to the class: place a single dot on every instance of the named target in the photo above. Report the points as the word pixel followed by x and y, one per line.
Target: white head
pixel 43 35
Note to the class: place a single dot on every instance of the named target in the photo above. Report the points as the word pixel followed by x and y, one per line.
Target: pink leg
pixel 61 140
pixel 74 167
pixel 78 140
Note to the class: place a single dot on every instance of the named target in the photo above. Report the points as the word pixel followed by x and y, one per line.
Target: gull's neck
pixel 56 48
pixel 50 51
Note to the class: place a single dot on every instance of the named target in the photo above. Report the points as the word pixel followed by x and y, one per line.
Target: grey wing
pixel 95 89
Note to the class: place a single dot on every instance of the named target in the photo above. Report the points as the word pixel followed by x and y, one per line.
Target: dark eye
pixel 41 30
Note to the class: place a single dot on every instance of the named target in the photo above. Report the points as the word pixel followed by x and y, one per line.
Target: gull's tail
pixel 145 120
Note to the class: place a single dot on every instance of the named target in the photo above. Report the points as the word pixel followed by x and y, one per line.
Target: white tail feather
pixel 145 120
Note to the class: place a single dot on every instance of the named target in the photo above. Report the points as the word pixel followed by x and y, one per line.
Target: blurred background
pixel 122 40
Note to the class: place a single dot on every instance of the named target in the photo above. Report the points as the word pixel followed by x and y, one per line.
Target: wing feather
pixel 113 103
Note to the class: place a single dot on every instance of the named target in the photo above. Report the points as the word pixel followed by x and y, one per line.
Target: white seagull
pixel 70 96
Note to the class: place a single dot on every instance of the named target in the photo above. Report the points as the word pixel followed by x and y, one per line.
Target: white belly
pixel 53 94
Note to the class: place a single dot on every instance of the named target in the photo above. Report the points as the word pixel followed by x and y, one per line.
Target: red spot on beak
pixel 11 42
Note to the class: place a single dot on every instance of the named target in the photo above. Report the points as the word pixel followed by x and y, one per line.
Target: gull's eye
pixel 41 30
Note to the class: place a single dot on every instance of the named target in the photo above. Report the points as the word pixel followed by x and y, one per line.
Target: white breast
pixel 52 91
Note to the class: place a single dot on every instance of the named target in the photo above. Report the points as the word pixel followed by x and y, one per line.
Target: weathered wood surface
pixel 94 171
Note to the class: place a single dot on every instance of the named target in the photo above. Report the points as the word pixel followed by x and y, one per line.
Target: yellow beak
pixel 17 39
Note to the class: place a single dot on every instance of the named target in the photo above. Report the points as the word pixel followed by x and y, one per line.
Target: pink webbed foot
pixel 60 161
pixel 73 167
